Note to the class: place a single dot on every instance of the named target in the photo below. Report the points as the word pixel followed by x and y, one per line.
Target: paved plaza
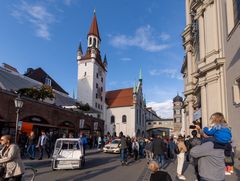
pixel 103 167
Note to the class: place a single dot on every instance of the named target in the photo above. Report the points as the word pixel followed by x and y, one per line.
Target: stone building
pixel 212 61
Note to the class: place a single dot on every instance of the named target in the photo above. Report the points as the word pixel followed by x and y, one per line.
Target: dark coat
pixel 158 146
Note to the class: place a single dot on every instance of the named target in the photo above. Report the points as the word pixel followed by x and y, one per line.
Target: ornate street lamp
pixel 18 104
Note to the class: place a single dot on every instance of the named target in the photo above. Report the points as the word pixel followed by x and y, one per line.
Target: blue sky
pixel 134 34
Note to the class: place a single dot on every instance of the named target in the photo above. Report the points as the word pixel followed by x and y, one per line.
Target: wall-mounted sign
pixel 81 123
pixel 95 126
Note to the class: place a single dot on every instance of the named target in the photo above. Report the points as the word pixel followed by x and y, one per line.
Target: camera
pixel 196 122
pixel 192 127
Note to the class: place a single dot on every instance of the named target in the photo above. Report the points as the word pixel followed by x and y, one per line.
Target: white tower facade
pixel 92 72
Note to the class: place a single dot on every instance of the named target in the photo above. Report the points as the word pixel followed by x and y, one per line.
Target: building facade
pixel 211 65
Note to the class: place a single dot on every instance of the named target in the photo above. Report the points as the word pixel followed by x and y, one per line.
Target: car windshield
pixel 115 141
pixel 67 145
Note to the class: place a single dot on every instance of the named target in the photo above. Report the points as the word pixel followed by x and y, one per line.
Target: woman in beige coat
pixel 180 157
pixel 11 160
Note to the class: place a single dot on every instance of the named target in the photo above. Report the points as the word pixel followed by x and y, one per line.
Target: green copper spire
pixel 140 74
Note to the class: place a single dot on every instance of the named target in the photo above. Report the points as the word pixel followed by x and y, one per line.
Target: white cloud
pixel 164 36
pixel 126 59
pixel 172 73
pixel 143 38
pixel 37 15
pixel 163 109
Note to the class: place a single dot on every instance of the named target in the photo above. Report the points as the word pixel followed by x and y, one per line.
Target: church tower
pixel 92 71
pixel 177 113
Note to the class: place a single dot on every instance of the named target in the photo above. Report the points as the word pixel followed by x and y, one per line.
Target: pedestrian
pixel 123 148
pixel 210 161
pixel 99 142
pixel 157 174
pixel 171 147
pixel 83 141
pixel 43 145
pixel 194 141
pixel 31 145
pixel 10 159
pixel 148 150
pixel 218 132
pixel 229 162
pixel 135 148
pixel 158 147
pixel 180 157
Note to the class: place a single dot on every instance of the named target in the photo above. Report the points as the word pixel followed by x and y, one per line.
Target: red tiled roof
pixel 94 27
pixel 120 98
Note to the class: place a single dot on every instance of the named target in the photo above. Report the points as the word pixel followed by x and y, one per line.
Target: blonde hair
pixel 218 118
pixel 153 166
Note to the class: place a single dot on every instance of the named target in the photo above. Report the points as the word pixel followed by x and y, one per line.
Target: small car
pixel 112 147
pixel 68 154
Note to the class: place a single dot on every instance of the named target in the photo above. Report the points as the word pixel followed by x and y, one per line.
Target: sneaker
pixel 227 173
pixel 181 177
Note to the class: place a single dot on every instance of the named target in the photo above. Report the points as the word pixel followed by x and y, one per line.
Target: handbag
pixel 2 171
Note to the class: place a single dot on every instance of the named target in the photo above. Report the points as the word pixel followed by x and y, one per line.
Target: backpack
pixel 176 150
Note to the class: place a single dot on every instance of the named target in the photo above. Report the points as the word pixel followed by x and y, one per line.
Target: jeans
pixel 31 150
pixel 124 155
pixel 161 159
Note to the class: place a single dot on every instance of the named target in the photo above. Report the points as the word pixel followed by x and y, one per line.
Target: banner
pixel 81 123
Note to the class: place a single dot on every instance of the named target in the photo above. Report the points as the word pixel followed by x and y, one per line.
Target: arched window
pixel 112 119
pixel 90 41
pixel 94 42
pixel 124 119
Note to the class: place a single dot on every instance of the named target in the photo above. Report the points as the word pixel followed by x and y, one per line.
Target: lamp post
pixel 18 104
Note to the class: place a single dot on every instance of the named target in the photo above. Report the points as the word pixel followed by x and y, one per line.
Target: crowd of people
pixel 210 150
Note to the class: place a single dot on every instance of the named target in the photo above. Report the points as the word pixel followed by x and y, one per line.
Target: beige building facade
pixel 211 68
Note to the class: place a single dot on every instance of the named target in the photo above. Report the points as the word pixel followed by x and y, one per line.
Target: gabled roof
pixel 119 98
pixel 94 27
pixel 39 75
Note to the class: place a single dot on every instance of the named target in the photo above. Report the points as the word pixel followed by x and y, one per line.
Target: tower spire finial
pixel 94 11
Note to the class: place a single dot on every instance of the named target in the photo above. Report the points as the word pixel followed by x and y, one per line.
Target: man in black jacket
pixel 124 148
pixel 158 149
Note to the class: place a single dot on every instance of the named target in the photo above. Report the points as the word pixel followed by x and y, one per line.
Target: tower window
pixel 96 85
pixel 85 63
pixel 97 75
pixel 101 89
pixel 101 79
pixel 85 74
pixel 94 42
pixel 96 96
pixel 90 41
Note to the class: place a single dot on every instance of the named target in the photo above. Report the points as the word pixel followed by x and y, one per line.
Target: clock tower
pixel 92 71
pixel 177 113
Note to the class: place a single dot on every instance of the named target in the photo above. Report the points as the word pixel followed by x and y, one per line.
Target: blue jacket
pixel 220 133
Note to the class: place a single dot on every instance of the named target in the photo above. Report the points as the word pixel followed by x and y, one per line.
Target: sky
pixel 134 34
